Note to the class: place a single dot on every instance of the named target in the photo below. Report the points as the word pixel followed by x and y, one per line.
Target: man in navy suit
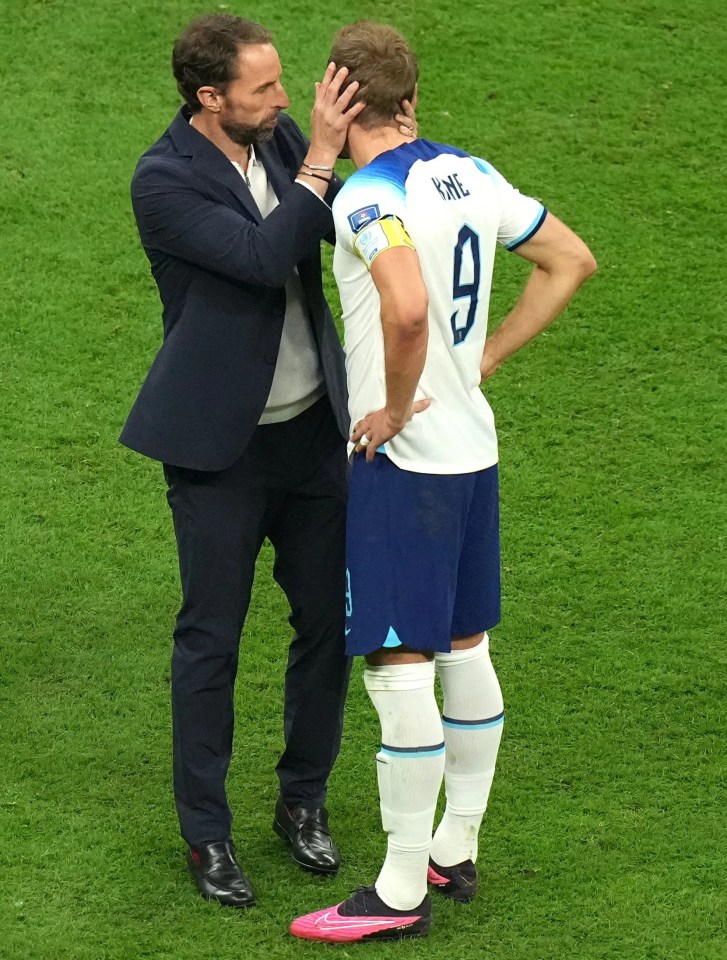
pixel 245 406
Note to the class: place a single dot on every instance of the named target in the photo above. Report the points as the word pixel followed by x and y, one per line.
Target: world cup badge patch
pixel 365 215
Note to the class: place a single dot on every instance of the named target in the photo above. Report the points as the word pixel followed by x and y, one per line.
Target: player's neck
pixel 365 145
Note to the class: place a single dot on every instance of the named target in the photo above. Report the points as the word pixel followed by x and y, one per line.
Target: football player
pixel 417 227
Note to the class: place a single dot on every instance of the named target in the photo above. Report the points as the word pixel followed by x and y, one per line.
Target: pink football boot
pixel 364 916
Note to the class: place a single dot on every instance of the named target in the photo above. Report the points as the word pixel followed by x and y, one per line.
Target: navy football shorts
pixel 423 556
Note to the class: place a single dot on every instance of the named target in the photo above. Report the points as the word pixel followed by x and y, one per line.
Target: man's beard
pixel 244 134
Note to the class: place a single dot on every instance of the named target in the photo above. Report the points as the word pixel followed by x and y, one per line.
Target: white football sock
pixel 472 720
pixel 410 767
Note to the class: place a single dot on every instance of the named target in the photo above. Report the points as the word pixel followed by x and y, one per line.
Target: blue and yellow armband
pixel 381 235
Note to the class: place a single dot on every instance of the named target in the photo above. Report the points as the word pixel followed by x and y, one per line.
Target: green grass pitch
pixel 605 838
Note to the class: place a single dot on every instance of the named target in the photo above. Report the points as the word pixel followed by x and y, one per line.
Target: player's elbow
pixel 572 266
pixel 410 317
pixel 587 263
pixel 580 262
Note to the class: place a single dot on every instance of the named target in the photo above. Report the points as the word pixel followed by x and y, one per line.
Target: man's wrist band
pixel 316 166
pixel 304 173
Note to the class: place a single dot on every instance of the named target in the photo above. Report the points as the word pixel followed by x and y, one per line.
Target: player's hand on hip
pixel 489 363
pixel 379 427
pixel 332 113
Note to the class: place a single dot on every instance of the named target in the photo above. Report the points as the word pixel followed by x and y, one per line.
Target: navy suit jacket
pixel 221 270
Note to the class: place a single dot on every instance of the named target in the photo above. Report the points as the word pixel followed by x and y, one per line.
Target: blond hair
pixel 382 61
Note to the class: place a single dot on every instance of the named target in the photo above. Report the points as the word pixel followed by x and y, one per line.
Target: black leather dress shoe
pixel 218 875
pixel 306 830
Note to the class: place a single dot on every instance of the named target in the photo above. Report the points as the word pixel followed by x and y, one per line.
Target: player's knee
pixel 392 677
pixel 465 643
pixel 460 653
pixel 398 655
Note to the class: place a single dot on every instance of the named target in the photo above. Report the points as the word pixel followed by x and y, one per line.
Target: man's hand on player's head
pixel 332 114
pixel 407 121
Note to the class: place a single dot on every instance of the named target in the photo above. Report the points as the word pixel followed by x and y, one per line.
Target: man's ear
pixel 416 94
pixel 209 97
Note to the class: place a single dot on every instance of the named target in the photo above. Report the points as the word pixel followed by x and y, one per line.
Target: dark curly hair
pixel 205 54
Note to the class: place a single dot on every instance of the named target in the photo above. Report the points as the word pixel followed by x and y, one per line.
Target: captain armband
pixel 380 235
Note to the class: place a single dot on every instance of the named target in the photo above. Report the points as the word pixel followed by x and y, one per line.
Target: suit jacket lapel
pixel 270 158
pixel 209 161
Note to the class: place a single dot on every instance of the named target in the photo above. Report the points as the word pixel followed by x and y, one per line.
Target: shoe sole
pixel 464 893
pixel 208 893
pixel 212 898
pixel 457 894
pixel 420 928
pixel 282 833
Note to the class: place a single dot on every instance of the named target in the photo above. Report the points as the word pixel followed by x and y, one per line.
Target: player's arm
pixel 404 304
pixel 562 263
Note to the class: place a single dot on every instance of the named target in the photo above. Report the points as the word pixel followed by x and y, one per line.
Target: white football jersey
pixel 455 208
